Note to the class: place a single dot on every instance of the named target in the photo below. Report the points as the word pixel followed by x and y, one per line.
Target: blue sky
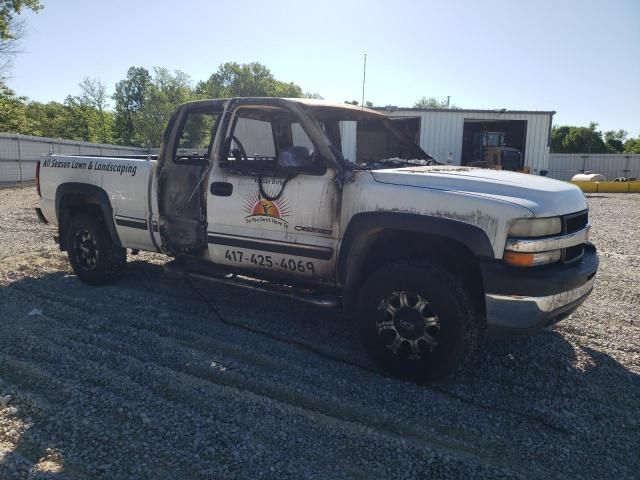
pixel 580 58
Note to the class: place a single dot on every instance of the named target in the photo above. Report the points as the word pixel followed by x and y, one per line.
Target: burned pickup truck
pixel 426 259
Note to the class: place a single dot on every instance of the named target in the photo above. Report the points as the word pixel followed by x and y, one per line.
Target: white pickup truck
pixel 425 258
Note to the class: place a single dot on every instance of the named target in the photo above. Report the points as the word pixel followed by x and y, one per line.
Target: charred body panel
pixel 181 190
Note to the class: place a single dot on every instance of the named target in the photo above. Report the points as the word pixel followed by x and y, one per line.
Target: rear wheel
pixel 417 320
pixel 93 255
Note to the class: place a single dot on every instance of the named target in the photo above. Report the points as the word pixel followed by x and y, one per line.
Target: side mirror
pixel 295 157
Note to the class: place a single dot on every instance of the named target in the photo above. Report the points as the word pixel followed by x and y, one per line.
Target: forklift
pixel 491 151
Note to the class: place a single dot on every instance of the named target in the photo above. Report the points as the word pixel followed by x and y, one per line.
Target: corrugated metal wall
pixel 19 153
pixel 441 132
pixel 256 137
pixel 348 136
pixel 563 166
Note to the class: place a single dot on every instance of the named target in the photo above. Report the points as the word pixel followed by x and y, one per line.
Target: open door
pixel 184 162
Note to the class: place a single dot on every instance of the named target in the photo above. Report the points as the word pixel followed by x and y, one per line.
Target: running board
pixel 325 300
pixel 319 299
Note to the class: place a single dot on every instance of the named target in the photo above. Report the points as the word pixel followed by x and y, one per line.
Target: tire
pixel 93 255
pixel 417 320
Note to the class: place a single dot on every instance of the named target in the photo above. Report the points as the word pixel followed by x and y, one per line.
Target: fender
pixel 98 196
pixel 363 228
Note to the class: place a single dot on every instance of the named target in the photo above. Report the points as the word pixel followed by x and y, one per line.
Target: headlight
pixel 535 227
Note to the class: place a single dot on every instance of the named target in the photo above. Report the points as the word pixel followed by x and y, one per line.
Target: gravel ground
pixel 142 380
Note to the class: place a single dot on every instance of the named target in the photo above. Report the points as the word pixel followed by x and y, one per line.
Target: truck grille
pixel 572 223
pixel 575 221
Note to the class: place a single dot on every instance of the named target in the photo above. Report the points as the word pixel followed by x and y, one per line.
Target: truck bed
pixel 125 181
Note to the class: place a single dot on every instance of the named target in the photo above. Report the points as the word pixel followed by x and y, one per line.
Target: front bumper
pixel 522 301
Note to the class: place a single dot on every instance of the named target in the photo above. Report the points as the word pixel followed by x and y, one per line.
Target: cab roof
pixel 311 103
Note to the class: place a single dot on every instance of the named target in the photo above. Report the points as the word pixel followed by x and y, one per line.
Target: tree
pixel 94 93
pixel 314 96
pixel 614 140
pixel 432 103
pixel 570 139
pixel 247 80
pixel 8 10
pixel 9 48
pixel 77 119
pixel 47 119
pixel 165 92
pixel 85 117
pixel 12 111
pixel 81 120
pixel 632 145
pixel 12 29
pixel 175 87
pixel 129 99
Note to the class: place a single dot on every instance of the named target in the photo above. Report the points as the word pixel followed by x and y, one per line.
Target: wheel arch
pixel 72 197
pixel 374 239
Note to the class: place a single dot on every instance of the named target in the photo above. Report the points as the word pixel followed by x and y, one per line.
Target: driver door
pixel 185 158
pixel 275 210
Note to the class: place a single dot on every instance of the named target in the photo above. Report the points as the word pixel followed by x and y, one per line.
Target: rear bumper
pixel 521 301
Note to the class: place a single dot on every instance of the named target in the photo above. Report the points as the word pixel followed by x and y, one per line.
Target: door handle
pixel 221 189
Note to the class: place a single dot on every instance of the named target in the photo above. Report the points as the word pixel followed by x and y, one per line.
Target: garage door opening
pixel 371 137
pixel 494 143
pixel 410 126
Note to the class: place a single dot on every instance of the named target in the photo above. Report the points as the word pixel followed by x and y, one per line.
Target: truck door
pixel 272 203
pixel 182 165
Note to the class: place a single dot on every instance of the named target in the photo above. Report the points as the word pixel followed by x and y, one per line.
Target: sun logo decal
pixel 261 210
pixel 266 207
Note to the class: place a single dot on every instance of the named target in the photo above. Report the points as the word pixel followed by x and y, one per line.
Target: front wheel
pixel 93 255
pixel 417 320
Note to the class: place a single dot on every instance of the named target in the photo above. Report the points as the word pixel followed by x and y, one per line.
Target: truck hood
pixel 543 196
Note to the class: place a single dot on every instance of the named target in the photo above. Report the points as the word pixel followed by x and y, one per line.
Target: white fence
pixel 563 166
pixel 19 153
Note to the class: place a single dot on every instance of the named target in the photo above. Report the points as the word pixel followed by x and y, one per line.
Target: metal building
pixel 448 135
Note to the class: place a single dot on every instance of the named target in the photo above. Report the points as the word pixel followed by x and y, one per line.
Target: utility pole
pixel 364 78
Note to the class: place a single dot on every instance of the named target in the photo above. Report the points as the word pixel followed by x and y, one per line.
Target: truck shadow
pixel 61 364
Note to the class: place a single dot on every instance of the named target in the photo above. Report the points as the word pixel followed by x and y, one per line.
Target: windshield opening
pixel 366 139
pixel 495 139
